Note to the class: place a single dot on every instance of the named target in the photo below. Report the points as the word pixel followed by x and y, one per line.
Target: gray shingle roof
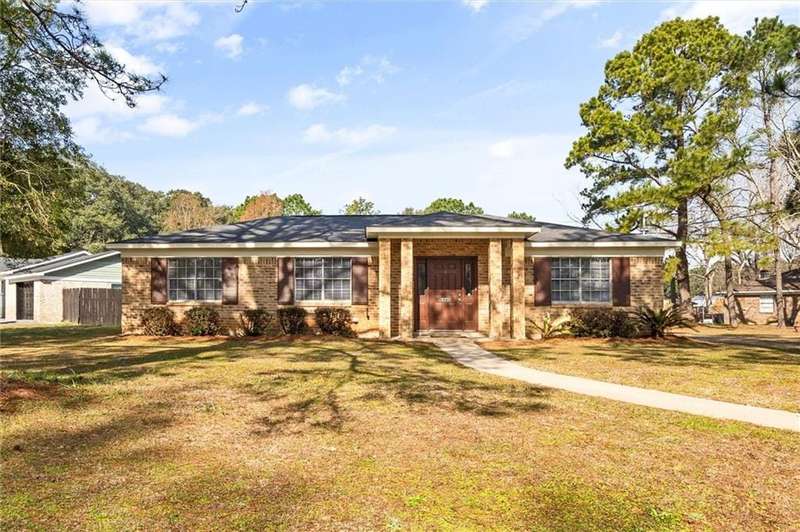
pixel 348 229
pixel 57 261
pixel 566 233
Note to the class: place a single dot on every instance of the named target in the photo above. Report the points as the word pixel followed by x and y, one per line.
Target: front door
pixel 447 298
pixel 24 301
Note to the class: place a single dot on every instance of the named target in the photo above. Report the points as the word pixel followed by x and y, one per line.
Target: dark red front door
pixel 445 284
pixel 447 294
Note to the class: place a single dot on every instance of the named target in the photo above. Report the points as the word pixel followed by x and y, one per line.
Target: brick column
pixel 406 288
pixel 518 289
pixel 495 288
pixel 384 287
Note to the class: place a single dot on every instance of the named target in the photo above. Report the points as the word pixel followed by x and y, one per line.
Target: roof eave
pixel 120 246
pixel 669 244
pixel 451 232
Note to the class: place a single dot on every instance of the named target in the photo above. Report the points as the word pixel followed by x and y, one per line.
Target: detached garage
pixel 36 292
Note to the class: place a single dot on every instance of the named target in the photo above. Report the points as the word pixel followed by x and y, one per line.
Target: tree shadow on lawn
pixel 43 336
pixel 118 362
pixel 417 375
pixel 675 353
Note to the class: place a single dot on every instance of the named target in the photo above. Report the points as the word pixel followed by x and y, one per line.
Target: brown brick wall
pixel 646 288
pixel 748 308
pixel 257 289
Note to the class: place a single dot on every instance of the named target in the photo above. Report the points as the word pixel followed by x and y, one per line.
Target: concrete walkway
pixel 471 355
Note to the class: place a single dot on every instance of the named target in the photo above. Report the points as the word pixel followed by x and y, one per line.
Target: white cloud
pixel 146 21
pixel 168 125
pixel 307 97
pixel 737 16
pixel 95 103
pixel 612 41
pixel 475 5
pixel 348 73
pixel 91 129
pixel 168 47
pixel 252 108
pixel 138 64
pixel 524 26
pixel 373 68
pixel 355 137
pixel 503 149
pixel 230 45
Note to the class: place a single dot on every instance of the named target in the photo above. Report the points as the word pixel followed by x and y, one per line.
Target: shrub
pixel 602 323
pixel 550 327
pixel 256 322
pixel 202 321
pixel 159 321
pixel 292 320
pixel 336 321
pixel 656 322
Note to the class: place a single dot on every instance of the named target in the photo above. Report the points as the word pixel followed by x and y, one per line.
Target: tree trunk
pixel 682 273
pixel 730 303
pixel 779 300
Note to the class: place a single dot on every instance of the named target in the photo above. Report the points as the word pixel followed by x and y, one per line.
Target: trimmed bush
pixel 335 321
pixel 256 322
pixel 603 323
pixel 292 320
pixel 202 321
pixel 159 321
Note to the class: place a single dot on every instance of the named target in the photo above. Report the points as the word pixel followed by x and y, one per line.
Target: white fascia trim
pixel 43 262
pixel 450 231
pixel 607 244
pixel 246 245
pixel 42 277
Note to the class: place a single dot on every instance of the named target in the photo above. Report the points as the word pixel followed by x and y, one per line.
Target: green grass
pixel 763 374
pixel 107 432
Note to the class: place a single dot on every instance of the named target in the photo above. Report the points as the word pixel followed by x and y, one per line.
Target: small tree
pixel 296 205
pixel 187 210
pixel 452 205
pixel 263 205
pixel 360 206
pixel 523 216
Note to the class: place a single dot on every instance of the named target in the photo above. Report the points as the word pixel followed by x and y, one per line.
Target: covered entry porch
pixel 448 283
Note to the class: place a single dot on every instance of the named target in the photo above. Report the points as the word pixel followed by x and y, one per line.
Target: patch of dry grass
pixel 351 434
pixel 755 369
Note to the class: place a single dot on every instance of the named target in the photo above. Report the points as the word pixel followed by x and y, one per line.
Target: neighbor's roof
pixel 791 282
pixel 353 229
pixel 46 267
pixel 27 266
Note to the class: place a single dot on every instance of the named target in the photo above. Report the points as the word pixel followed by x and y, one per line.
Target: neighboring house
pixel 755 300
pixel 397 274
pixel 34 291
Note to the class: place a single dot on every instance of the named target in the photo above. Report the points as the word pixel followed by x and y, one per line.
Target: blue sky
pixel 398 102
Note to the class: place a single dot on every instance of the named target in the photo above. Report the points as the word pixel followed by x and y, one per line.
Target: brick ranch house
pixel 756 301
pixel 398 274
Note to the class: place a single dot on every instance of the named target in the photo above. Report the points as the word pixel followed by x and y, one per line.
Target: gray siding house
pixel 34 291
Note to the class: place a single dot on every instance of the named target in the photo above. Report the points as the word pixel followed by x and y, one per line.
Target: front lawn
pixel 106 432
pixel 750 365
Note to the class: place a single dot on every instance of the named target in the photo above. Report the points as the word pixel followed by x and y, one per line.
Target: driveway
pixel 469 354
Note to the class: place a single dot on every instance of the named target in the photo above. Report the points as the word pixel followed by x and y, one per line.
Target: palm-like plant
pixel 656 322
pixel 550 326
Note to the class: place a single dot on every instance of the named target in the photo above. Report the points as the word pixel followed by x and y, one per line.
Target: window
pixel 322 279
pixel 195 279
pixel 580 280
pixel 766 305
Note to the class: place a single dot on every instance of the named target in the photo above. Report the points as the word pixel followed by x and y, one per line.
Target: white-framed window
pixel 766 304
pixel 195 279
pixel 580 280
pixel 322 278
